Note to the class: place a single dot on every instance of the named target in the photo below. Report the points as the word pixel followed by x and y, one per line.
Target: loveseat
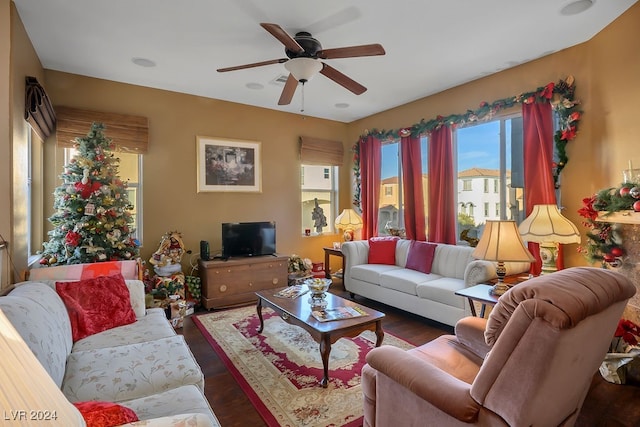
pixel 428 288
pixel 144 366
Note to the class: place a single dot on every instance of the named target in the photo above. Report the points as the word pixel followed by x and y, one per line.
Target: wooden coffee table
pixel 298 312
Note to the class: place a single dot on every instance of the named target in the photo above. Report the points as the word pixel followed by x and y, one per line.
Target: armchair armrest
pixel 470 333
pixel 431 384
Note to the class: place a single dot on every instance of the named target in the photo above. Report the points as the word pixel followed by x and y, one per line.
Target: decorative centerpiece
pixel 318 288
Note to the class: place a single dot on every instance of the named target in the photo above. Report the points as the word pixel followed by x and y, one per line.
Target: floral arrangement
pixel 626 337
pixel 604 244
pixel 299 265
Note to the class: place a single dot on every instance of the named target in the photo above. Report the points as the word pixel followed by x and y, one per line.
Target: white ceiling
pixel 430 45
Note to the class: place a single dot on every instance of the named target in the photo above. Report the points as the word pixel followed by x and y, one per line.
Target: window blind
pixel 129 133
pixel 315 151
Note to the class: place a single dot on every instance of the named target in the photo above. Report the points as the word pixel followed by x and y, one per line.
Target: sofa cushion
pixel 34 310
pixel 420 257
pixel 180 400
pixel 130 371
pixel 443 291
pixel 405 280
pixel 105 414
pixel 97 304
pixel 382 250
pixel 452 260
pixel 151 327
pixel 136 293
pixel 371 272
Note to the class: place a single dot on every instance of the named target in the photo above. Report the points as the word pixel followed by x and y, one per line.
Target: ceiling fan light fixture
pixel 303 69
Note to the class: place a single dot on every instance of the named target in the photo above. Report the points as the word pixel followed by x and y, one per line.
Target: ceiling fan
pixel 303 61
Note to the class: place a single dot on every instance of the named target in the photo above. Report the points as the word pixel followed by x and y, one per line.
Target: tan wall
pixel 606 70
pixel 6 207
pixel 170 200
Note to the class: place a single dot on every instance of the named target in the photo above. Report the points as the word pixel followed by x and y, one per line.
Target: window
pixel 489 155
pixel 391 206
pixel 319 197
pixel 466 185
pixel 129 171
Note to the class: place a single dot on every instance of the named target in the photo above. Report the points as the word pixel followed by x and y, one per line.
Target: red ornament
pixel 636 206
pixel 609 258
pixel 616 252
pixel 624 191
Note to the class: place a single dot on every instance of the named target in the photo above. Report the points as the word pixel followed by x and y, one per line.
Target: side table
pixel 481 294
pixel 328 252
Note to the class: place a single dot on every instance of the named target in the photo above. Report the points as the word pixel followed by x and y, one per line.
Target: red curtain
pixel 442 210
pixel 370 170
pixel 411 156
pixel 537 122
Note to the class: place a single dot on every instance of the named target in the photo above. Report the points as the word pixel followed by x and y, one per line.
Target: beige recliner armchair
pixel 529 364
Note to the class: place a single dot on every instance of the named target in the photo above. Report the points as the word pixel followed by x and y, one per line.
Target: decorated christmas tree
pixel 92 219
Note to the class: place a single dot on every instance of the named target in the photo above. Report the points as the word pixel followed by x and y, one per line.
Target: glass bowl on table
pixel 318 288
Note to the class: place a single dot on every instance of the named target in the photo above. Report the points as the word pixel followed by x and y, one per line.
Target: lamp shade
pixel 27 389
pixel 303 68
pixel 546 224
pixel 348 220
pixel 500 241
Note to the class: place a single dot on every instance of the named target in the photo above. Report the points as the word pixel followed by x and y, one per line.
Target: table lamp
pixel 546 226
pixel 349 221
pixel 501 242
pixel 27 388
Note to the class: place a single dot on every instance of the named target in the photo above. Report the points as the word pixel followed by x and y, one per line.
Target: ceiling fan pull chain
pixel 302 108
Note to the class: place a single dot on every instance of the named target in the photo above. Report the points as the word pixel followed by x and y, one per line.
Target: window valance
pixel 129 133
pixel 38 111
pixel 315 151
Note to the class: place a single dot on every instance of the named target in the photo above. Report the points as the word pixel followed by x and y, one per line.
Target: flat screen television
pixel 245 239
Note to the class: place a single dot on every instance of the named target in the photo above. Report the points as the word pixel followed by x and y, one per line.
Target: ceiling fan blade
pixel 342 79
pixel 288 91
pixel 352 51
pixel 255 64
pixel 276 31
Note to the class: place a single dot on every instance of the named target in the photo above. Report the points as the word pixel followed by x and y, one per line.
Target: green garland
pixel 560 95
pixel 604 243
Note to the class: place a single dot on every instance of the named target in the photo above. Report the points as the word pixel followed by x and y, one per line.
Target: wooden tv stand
pixel 235 281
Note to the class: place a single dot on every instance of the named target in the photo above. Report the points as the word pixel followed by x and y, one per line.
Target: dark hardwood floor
pixel 606 404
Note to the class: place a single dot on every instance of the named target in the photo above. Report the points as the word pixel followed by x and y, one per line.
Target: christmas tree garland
pixel 560 95
pixel 604 243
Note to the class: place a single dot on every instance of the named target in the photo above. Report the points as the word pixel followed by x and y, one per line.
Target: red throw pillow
pixel 382 250
pixel 420 256
pixel 97 304
pixel 105 414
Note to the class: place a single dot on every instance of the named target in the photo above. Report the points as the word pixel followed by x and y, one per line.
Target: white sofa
pixel 428 295
pixel 144 366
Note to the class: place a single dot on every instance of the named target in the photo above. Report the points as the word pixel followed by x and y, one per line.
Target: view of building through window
pixel 488 161
pixel 319 189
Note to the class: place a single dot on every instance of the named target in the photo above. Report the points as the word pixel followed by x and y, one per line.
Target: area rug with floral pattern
pixel 280 369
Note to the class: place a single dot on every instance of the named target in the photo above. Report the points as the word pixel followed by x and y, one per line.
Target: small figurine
pixel 166 260
pixel 320 220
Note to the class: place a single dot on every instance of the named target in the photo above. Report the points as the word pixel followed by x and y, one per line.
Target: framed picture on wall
pixel 229 165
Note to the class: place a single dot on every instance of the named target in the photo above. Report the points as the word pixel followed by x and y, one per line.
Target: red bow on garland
pixel 87 189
